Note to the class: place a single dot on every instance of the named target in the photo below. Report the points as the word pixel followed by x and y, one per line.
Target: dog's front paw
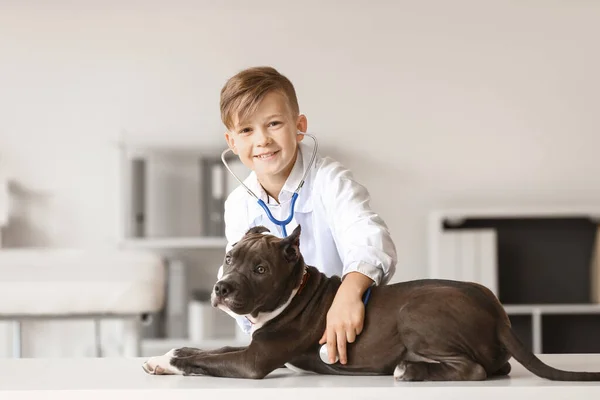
pixel 161 365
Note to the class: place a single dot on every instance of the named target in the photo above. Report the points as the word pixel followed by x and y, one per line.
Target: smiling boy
pixel 341 234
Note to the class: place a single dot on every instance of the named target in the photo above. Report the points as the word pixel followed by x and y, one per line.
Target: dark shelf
pixel 541 260
pixel 571 333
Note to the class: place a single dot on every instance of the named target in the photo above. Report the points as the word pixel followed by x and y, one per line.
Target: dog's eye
pixel 260 269
pixel 228 260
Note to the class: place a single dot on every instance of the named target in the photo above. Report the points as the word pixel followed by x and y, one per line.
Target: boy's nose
pixel 262 137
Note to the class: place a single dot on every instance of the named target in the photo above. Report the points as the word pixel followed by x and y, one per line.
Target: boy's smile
pixel 267 141
pixel 267 156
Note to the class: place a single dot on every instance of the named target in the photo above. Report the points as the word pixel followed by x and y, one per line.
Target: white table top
pixel 89 378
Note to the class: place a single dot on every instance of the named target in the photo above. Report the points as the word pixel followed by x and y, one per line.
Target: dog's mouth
pixel 233 305
pixel 227 304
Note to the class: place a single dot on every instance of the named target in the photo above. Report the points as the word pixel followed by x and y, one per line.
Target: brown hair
pixel 244 91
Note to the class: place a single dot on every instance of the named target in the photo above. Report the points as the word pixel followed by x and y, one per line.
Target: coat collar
pixel 304 201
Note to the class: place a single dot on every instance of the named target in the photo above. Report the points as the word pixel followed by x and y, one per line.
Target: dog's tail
pixel 535 365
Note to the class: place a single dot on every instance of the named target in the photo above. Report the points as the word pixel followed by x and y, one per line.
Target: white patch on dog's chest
pixel 263 318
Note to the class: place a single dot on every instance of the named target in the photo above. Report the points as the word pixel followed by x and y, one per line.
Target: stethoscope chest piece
pixel 324 355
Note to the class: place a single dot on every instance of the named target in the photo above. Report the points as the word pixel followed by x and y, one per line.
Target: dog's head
pixel 259 273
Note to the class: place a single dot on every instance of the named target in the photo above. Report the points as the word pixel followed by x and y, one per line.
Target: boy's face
pixel 267 141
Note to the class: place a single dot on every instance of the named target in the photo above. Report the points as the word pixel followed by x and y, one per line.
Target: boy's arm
pixel 362 238
pixel 365 247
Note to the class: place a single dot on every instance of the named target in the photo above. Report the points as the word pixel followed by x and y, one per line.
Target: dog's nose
pixel 223 289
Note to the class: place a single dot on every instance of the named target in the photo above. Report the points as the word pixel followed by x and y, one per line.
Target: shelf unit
pixel 552 308
pixel 171 204
pixel 536 312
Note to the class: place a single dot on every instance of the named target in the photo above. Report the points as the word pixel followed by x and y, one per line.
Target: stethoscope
pixel 323 354
pixel 285 222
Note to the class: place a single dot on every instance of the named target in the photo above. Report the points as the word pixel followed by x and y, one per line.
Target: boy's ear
pixel 301 126
pixel 230 142
pixel 290 246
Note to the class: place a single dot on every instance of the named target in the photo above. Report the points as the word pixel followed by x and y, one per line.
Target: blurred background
pixel 474 125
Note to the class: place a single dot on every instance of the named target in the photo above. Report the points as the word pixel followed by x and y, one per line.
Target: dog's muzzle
pixel 223 289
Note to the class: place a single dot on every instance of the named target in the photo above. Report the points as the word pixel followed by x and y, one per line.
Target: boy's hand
pixel 346 316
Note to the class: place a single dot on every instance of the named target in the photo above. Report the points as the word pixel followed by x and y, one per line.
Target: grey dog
pixel 421 330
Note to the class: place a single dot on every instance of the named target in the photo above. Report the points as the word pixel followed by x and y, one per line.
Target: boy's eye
pixel 273 123
pixel 244 131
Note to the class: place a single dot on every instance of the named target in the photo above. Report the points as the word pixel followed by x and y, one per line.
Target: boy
pixel 341 235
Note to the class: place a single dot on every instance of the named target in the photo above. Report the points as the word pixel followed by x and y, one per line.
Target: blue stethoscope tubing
pixel 285 222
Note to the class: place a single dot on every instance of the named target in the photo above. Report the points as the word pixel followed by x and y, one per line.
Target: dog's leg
pixel 190 351
pixel 247 362
pixel 162 365
pixel 457 369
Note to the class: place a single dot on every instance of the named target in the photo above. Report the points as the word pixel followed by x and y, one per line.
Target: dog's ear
pixel 290 245
pixel 257 229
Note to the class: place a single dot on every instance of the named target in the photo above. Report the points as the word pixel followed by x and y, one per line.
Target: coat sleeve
pixel 362 238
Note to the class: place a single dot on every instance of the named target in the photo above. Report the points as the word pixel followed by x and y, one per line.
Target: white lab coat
pixel 340 232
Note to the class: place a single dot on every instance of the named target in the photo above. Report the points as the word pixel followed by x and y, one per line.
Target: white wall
pixel 431 103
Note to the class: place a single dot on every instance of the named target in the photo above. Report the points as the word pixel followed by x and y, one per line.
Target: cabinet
pixel 172 204
pixel 541 262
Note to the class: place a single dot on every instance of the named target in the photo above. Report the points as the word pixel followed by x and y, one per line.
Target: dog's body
pixel 418 330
